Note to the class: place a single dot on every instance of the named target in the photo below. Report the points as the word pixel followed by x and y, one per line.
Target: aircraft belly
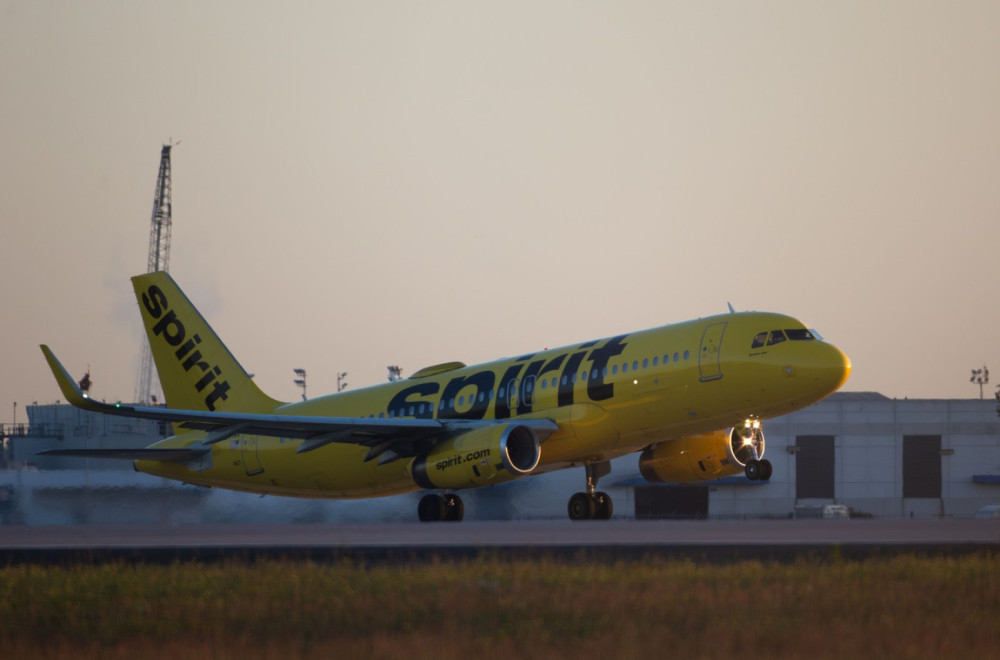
pixel 334 471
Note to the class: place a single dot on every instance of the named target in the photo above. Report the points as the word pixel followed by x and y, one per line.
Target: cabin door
pixel 710 354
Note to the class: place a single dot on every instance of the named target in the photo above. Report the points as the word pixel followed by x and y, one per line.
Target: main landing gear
pixel 592 505
pixel 436 508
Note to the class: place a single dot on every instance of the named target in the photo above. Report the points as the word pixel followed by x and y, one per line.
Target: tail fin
pixel 197 371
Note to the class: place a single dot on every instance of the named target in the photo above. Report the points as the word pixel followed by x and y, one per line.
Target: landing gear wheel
pixel 432 508
pixel 455 509
pixel 582 506
pixel 605 507
pixel 752 470
pixel 765 470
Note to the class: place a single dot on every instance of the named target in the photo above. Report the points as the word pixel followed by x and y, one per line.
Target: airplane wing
pixel 387 439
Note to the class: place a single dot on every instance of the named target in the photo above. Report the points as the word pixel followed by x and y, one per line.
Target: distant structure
pixel 301 381
pixel 159 259
pixel 980 377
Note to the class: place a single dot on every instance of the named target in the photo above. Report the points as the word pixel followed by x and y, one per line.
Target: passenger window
pixel 645 363
pixel 678 357
pixel 759 340
pixel 687 354
pixel 777 336
pixel 656 360
pixel 625 367
pixel 635 365
pixel 614 370
pixel 666 359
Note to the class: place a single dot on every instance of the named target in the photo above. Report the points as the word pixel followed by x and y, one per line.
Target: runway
pixel 616 540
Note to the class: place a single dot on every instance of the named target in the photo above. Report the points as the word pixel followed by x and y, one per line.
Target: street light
pixel 301 381
pixel 980 377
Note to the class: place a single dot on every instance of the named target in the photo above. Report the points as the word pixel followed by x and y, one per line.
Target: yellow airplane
pixel 689 396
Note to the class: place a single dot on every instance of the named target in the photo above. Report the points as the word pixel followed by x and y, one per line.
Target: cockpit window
pixel 800 334
pixel 777 336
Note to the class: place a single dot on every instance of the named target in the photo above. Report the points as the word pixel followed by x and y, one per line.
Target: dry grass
pixel 901 607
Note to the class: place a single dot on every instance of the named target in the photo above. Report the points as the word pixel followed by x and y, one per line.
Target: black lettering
pixel 568 376
pixel 526 401
pixel 218 392
pixel 170 320
pixel 597 389
pixel 482 381
pixel 402 399
pixel 207 378
pixel 194 360
pixel 502 408
pixel 186 348
pixel 154 301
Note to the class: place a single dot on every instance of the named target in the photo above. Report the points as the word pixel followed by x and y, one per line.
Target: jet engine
pixel 487 455
pixel 708 456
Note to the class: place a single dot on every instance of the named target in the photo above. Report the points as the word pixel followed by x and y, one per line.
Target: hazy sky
pixel 361 184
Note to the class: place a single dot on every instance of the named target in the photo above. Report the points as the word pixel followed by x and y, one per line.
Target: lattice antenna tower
pixel 146 392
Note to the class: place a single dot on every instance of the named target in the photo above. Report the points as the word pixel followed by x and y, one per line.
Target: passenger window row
pixel 544 383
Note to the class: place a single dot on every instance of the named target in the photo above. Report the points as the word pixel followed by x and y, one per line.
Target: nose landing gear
pixel 592 505
pixel 749 447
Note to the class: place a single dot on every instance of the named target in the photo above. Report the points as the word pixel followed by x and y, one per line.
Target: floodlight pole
pixel 301 381
pixel 980 377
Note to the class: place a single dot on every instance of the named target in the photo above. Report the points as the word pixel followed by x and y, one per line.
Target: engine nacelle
pixel 488 455
pixel 703 457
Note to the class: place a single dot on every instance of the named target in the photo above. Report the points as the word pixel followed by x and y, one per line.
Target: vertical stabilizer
pixel 197 371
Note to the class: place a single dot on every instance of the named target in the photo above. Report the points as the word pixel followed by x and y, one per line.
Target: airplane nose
pixel 840 366
pixel 825 370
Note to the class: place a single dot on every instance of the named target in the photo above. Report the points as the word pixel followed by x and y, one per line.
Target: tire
pixel 581 507
pixel 432 508
pixel 752 470
pixel 765 470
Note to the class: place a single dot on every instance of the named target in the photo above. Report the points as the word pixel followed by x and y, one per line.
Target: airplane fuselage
pixel 609 397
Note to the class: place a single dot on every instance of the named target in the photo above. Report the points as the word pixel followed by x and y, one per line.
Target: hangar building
pixel 877 456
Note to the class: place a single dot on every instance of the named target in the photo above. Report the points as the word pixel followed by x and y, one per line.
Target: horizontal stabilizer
pixel 170 455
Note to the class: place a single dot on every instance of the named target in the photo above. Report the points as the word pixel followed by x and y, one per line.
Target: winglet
pixel 68 386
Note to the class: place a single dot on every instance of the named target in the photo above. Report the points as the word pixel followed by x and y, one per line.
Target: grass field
pixel 903 607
